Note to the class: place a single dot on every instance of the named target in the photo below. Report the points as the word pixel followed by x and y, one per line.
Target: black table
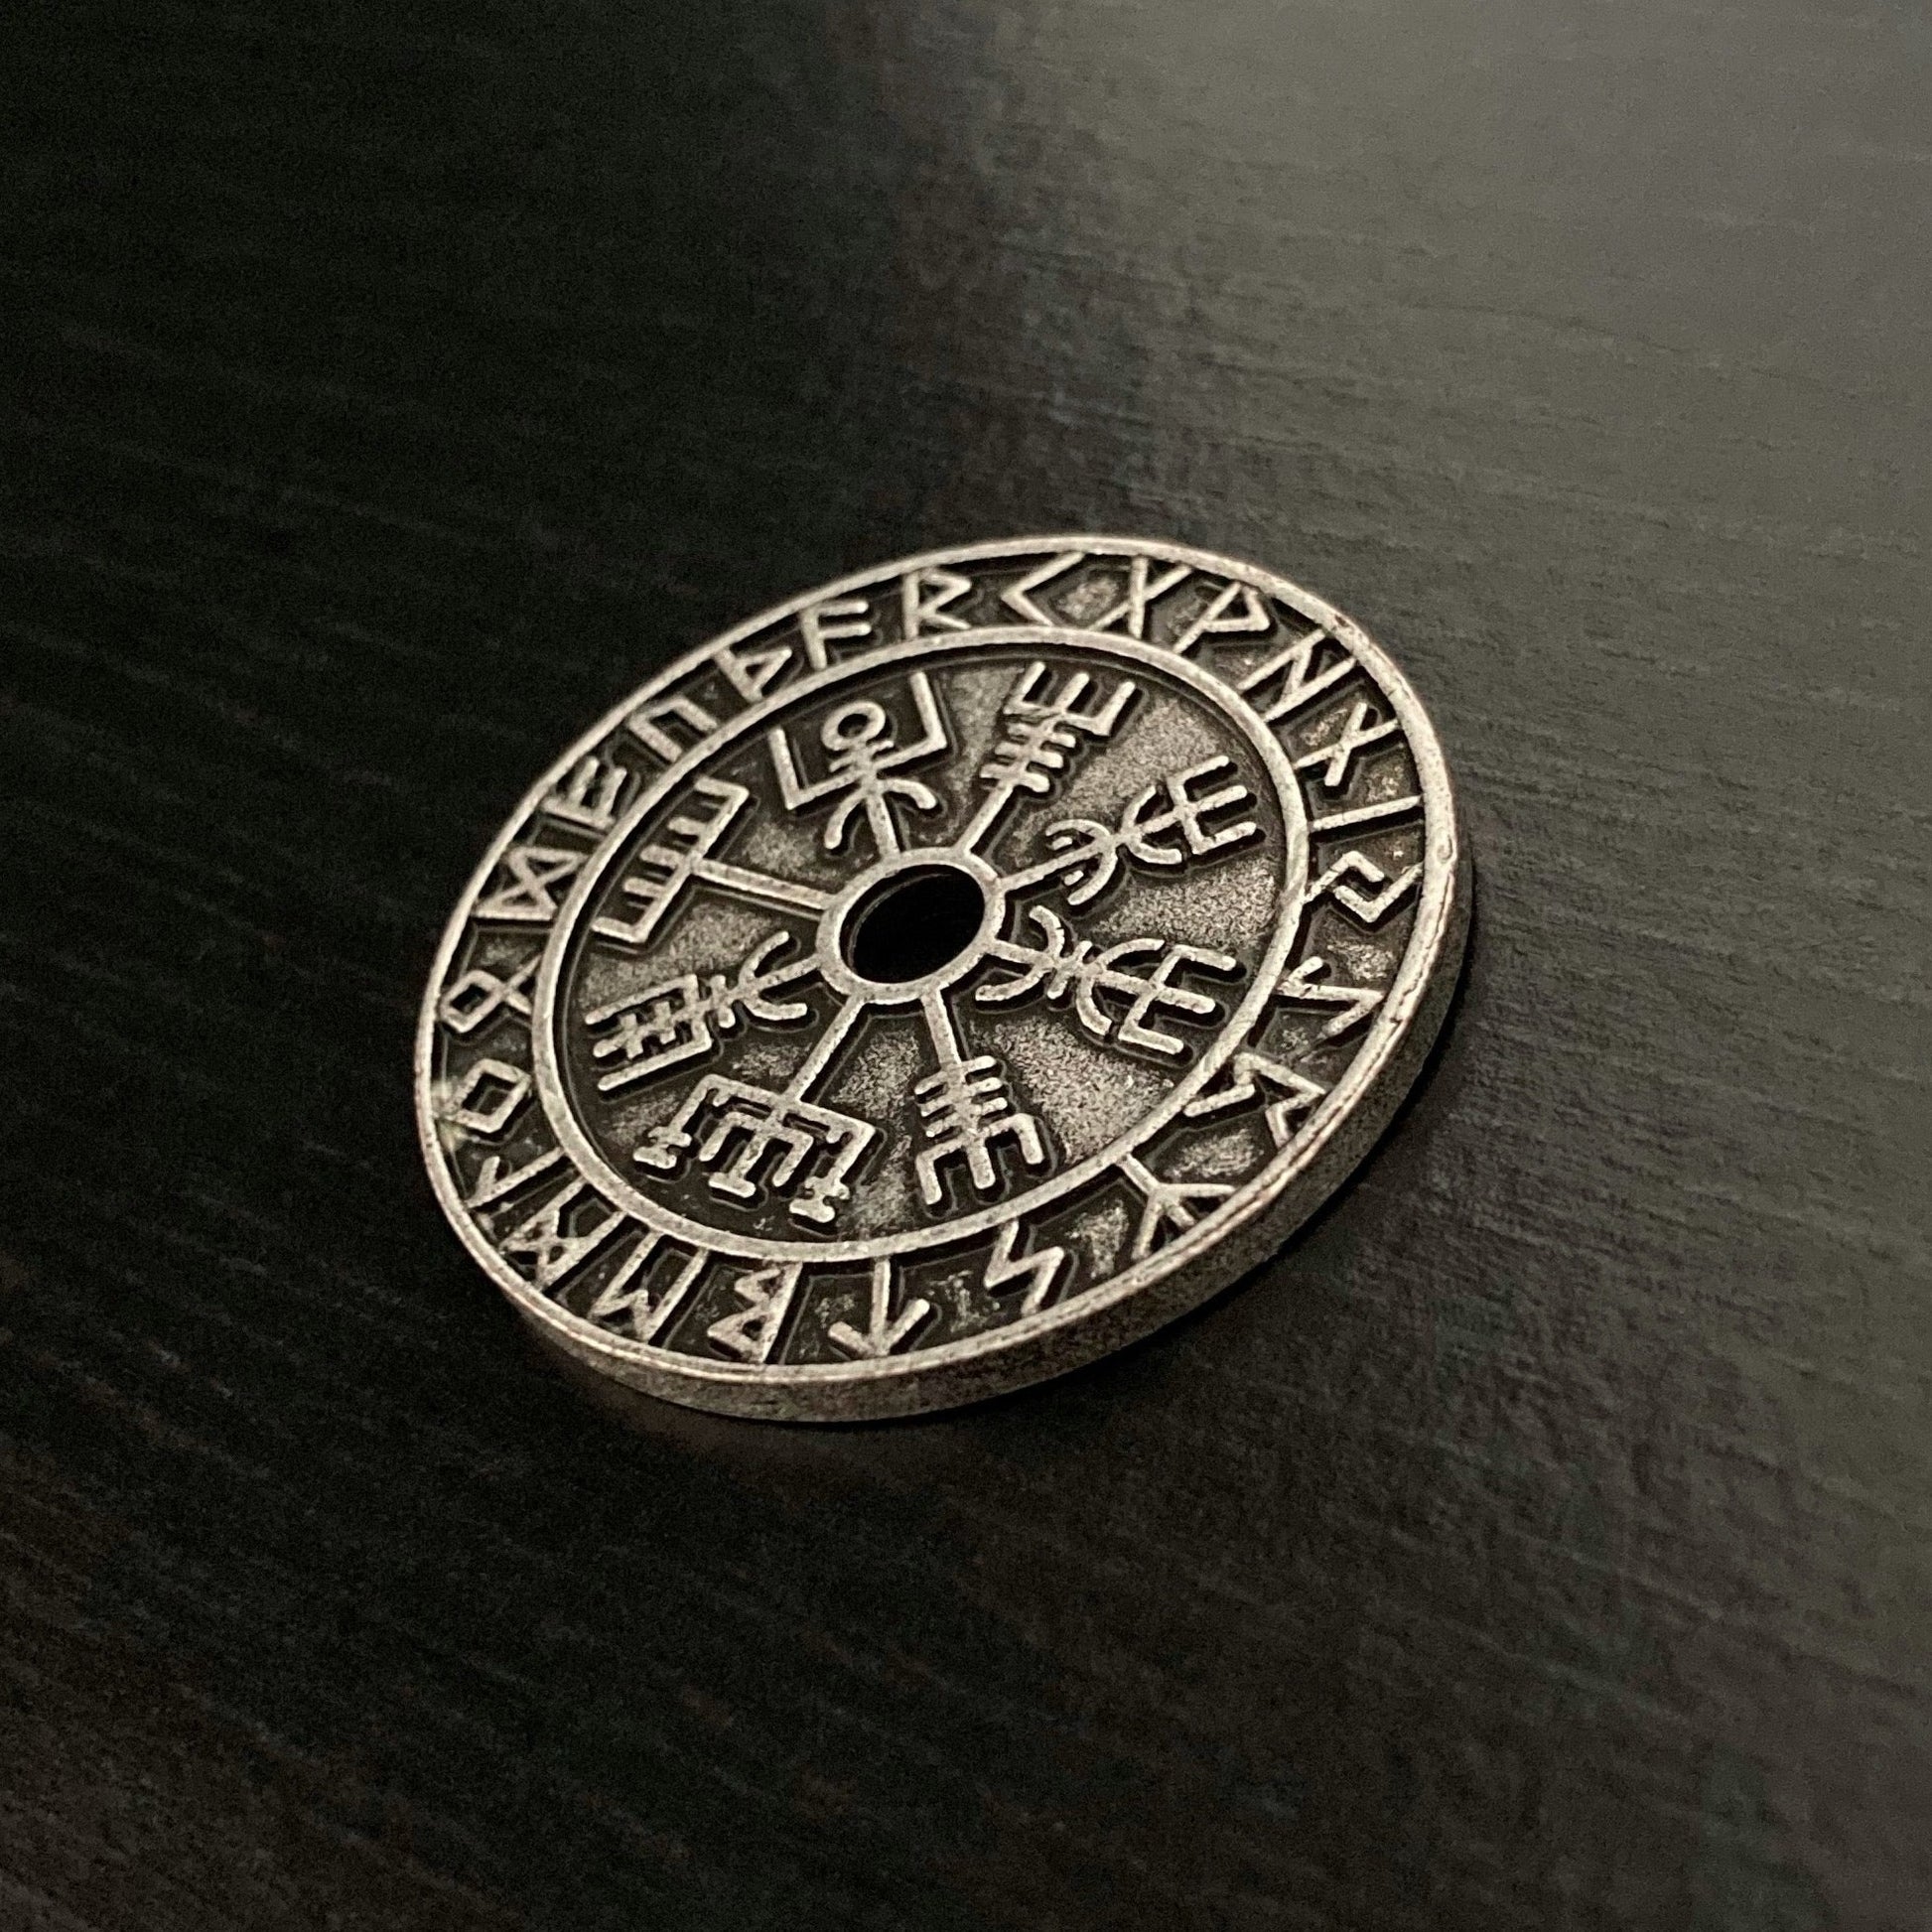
pixel 1543 1541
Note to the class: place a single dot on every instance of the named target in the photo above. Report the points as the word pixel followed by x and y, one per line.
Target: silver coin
pixel 943 978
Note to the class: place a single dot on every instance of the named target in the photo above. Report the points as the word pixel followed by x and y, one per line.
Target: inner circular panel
pixel 714 1074
pixel 913 924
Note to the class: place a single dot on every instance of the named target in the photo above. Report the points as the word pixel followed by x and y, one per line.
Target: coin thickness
pixel 943 978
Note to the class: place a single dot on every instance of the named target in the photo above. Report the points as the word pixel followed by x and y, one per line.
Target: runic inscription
pixel 915 973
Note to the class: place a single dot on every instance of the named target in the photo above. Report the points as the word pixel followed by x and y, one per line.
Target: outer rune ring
pixel 943 978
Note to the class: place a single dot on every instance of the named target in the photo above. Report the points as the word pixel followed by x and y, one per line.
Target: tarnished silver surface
pixel 943 977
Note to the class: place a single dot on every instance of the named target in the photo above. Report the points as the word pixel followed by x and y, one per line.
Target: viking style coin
pixel 943 977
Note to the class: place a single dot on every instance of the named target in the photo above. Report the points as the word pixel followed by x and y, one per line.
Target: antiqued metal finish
pixel 943 977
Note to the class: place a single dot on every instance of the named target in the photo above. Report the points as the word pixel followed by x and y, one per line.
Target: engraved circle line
pixel 589 1160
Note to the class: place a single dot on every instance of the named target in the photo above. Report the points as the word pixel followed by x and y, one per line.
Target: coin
pixel 943 978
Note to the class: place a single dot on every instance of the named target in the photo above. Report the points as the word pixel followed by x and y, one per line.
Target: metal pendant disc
pixel 943 978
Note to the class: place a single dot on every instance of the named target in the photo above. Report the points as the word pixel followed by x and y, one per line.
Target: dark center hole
pixel 913 924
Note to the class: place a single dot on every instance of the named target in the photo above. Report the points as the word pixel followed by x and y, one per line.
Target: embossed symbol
pixel 756 1137
pixel 863 758
pixel 1065 967
pixel 1044 726
pixel 680 1020
pixel 1162 827
pixel 965 1107
pixel 884 1331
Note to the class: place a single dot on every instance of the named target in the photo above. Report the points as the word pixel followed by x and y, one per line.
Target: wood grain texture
pixel 1541 1543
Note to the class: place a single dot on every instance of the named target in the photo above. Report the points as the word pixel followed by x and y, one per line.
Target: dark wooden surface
pixel 1546 1540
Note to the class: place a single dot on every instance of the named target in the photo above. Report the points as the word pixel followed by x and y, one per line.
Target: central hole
pixel 913 924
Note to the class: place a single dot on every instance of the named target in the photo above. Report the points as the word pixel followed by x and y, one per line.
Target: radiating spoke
pixel 764 886
pixel 811 1069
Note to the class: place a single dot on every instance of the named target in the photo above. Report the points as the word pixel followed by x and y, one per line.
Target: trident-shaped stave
pixel 1066 966
pixel 1043 727
pixel 1162 827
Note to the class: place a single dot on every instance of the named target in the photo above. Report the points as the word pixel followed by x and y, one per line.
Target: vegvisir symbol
pixel 755 1139
pixel 911 991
